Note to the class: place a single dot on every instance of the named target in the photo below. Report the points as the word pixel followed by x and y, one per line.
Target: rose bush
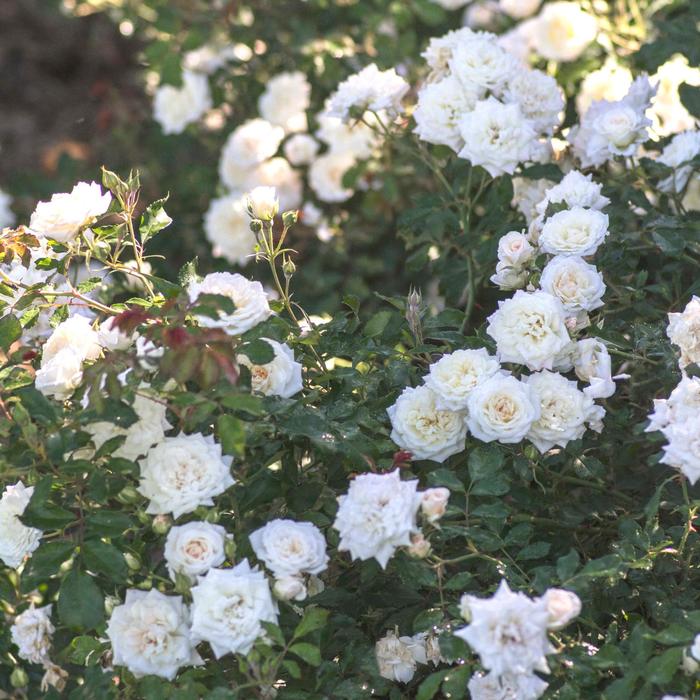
pixel 485 490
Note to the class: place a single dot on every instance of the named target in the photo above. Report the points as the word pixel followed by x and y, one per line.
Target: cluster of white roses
pixel 379 514
pixel 468 390
pixel 484 104
pixel 677 417
pixel 509 633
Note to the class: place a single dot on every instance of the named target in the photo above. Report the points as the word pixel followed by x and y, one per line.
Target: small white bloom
pixel 248 145
pixel 507 686
pixel 355 139
pixel 228 606
pixel 419 547
pixel 514 249
pixel 182 473
pixel 31 632
pixel 684 332
pixel 301 149
pixel 263 203
pixel 527 194
pixel 110 337
pixel 562 31
pixel 276 173
pixel 377 515
pixel 562 607
pixel 574 231
pixel 434 503
pixel 425 430
pixel 61 375
pixel 669 114
pixel 529 329
pixel 496 136
pixel 682 148
pixel 502 408
pixel 683 449
pixel 176 107
pixel 248 297
pixel 610 82
pixel 574 190
pixel 370 89
pixel 539 97
pixel 285 101
pixel 67 213
pixel 279 377
pixel 440 106
pixel 326 176
pixel 150 636
pixel 509 277
pixel 289 548
pixel 227 228
pixel 454 376
pixel 565 411
pixel 593 365
pixel 75 333
pixel 289 588
pixel 519 9
pixel 509 632
pixel 577 284
pixel 194 548
pixel 397 657
pixel 481 65
pixel 441 49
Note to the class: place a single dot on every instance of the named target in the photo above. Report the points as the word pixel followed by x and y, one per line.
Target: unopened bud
pixel 256 225
pixel 289 268
pixel 263 203
pixel 128 495
pixel 413 314
pixel 19 677
pixel 434 503
pixel 132 561
pixel 289 218
pixel 230 548
pixel 161 524
pixel 289 588
pixel 419 547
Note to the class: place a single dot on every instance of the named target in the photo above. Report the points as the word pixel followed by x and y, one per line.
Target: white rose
pixel 194 548
pixel 249 298
pixel 503 409
pixel 514 249
pixel 423 429
pixel 539 97
pixel 454 376
pixel 377 515
pixel 529 329
pixel 60 376
pixel 509 632
pixel 593 365
pixel 289 588
pixel 495 686
pixel 527 194
pixel 276 173
pixel 228 606
pixel 440 49
pixel 301 149
pixel 577 284
pixel 285 101
pixel 182 473
pixel 575 231
pixel 150 635
pixel 683 449
pixel 356 139
pixel 176 107
pixel 519 9
pixel 695 648
pixel 509 277
pixel 279 377
pixel 562 31
pixel 689 665
pixel 668 112
pixel 481 65
pixel 289 548
pixel 370 89
pixel 326 176
pixel 683 148
pixel 434 503
pixel 565 411
pixel 496 136
pixel 562 607
pixel 31 632
pixel 684 332
pixel 575 190
pixel 75 333
pixel 397 657
pixel 140 436
pixel 248 145
pixel 263 203
pixel 610 82
pixel 227 228
pixel 440 105
pixel 110 337
pixel 66 214
pixel 419 547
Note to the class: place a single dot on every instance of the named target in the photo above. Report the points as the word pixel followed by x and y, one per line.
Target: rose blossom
pixel 574 190
pixel 423 429
pixel 263 203
pixel 285 101
pixel 227 228
pixel 684 332
pixel 577 284
pixel 176 107
pixel 562 607
pixel 31 632
pixel 75 333
pixel 593 365
pixel 377 515
pixel 434 503
pixel 397 657
pixel 60 376
pixel 326 176
pixel 279 377
pixel 194 548
pixel 248 145
pixel 184 472
pixel 506 686
pixel 301 149
pixel 562 31
pixel 575 231
pixel 150 634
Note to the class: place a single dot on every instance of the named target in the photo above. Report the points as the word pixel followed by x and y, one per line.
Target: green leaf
pixel 293 668
pixel 661 669
pixel 690 97
pixel 430 686
pixel 447 478
pixel 485 462
pixel 231 432
pixel 309 652
pixel 105 523
pixel 536 550
pixel 10 330
pixel 567 565
pixel 43 514
pixel 45 562
pixel 80 602
pixel 104 559
pixel 85 650
pixel 273 632
pixel 154 219
pixel 314 618
pixel 258 351
pixel 376 325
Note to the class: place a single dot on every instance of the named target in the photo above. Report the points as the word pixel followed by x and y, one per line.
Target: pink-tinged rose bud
pixel 289 588
pixel 419 547
pixel 562 607
pixel 434 503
